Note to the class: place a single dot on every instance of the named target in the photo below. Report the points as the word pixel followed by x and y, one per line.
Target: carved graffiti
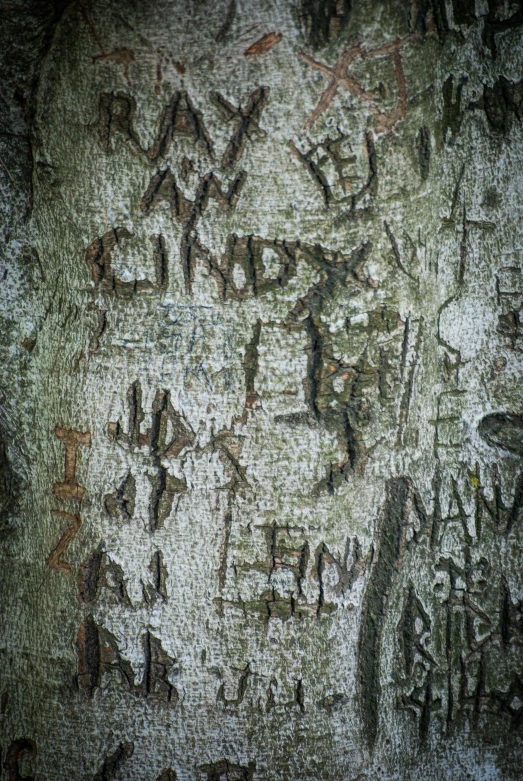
pixel 54 560
pixel 98 572
pixel 336 154
pixel 339 76
pixel 68 489
pixel 263 45
pixel 509 293
pixel 359 359
pixel 449 642
pixel 163 187
pixel 155 684
pixel 296 702
pixel 99 255
pixel 73 440
pixel 245 121
pixel 291 572
pixel 157 590
pixel 98 653
pixel 240 694
pixel 169 433
pixel 178 120
pixel 120 504
pixel 99 656
pixel 167 437
pixel 413 631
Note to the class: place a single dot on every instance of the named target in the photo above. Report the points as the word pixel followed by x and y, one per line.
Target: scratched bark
pixel 261 480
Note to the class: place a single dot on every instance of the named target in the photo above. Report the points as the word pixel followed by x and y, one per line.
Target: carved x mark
pixel 338 76
pixel 246 120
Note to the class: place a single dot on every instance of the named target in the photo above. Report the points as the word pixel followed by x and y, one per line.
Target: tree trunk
pixel 261 407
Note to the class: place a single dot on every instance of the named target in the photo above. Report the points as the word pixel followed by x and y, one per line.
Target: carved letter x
pixel 339 77
pixel 246 122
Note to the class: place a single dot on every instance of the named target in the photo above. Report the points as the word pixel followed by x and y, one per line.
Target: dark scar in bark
pixel 226 26
pixel 167 775
pixel 429 16
pixel 113 762
pixel 324 20
pixel 504 516
pixel 99 571
pixel 89 576
pixel 120 504
pixel 452 109
pixel 503 430
pixel 223 770
pixel 492 24
pixel 392 544
pixel 245 674
pixel 15 752
pixel 97 654
pixel 503 103
pixel 157 590
pixel 424 150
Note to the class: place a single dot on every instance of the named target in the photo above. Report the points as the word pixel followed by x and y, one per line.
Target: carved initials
pixel 246 122
pixel 99 256
pixel 69 488
pixel 54 560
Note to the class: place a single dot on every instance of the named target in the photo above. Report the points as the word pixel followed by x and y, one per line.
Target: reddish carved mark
pixel 264 45
pixel 339 76
pixel 69 488
pixel 386 122
pixel 90 25
pixel 54 560
pixel 123 57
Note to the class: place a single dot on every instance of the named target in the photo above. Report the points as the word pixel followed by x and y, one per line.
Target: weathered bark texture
pixel 261 408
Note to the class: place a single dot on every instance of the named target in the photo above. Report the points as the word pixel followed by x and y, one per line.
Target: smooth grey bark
pixel 261 421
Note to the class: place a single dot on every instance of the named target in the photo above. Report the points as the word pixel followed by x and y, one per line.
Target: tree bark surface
pixel 261 410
